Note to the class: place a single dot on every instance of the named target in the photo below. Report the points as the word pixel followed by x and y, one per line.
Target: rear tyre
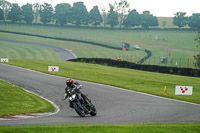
pixel 93 111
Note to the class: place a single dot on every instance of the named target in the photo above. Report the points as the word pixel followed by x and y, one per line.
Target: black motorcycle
pixel 81 103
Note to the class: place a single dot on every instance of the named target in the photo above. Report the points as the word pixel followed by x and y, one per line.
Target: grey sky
pixel 166 8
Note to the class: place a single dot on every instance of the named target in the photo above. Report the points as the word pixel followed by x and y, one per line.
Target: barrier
pixel 152 68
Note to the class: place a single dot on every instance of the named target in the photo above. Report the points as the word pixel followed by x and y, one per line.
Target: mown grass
pixel 14 100
pixel 21 51
pixel 179 44
pixel 136 128
pixel 148 82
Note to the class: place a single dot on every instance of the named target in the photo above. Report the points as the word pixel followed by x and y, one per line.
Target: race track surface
pixel 114 105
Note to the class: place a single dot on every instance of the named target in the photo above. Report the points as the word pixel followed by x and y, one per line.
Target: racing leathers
pixel 76 87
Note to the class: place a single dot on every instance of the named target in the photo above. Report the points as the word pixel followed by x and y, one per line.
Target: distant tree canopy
pixel 148 20
pixel 46 13
pixel 79 14
pixel 1 14
pixel 5 6
pixel 95 17
pixel 15 14
pixel 133 19
pixel 36 10
pixel 112 18
pixel 122 8
pixel 62 13
pixel 194 21
pixel 27 13
pixel 180 19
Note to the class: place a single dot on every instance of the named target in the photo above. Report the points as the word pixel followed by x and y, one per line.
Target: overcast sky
pixel 159 8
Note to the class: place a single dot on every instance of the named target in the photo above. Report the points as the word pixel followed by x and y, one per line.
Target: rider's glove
pixel 65 97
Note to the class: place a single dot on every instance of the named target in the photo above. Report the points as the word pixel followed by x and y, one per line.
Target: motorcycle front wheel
pixel 79 111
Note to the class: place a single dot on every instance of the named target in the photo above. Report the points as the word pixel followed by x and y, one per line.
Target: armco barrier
pixel 152 68
pixel 146 57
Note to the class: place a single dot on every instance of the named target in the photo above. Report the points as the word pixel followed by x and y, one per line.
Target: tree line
pixel 63 14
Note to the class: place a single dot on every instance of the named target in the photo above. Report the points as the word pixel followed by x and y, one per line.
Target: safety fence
pixel 152 68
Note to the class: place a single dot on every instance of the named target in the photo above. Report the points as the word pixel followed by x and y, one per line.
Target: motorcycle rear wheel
pixel 93 111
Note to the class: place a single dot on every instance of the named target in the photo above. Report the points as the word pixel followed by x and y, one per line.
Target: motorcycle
pixel 81 103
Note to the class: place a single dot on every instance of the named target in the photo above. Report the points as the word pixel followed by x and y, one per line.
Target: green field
pixel 136 128
pixel 22 51
pixel 148 82
pixel 14 100
pixel 179 44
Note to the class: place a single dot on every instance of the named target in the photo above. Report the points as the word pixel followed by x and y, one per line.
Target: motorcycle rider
pixel 72 86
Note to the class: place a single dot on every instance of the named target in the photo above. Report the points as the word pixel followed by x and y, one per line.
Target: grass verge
pixel 148 82
pixel 14 100
pixel 136 128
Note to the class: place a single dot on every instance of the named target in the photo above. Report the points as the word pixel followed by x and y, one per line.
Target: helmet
pixel 69 82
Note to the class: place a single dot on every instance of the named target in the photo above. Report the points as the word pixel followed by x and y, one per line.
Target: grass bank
pixel 14 100
pixel 148 82
pixel 136 128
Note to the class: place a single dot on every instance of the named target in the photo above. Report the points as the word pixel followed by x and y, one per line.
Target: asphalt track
pixel 64 54
pixel 114 105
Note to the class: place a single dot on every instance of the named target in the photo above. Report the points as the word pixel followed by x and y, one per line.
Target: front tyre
pixel 80 112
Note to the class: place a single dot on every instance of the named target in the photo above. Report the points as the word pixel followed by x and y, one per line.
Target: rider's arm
pixel 79 86
pixel 66 95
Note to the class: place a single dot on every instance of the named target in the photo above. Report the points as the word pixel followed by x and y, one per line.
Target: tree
pixel 36 10
pixel 15 13
pixel 46 13
pixel 27 13
pixel 62 13
pixel 112 18
pixel 6 7
pixel 104 16
pixel 133 19
pixel 122 8
pixel 79 14
pixel 197 57
pixel 1 14
pixel 179 19
pixel 95 16
pixel 148 20
pixel 194 21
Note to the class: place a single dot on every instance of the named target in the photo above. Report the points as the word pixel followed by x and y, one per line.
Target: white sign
pixel 4 59
pixel 53 68
pixel 183 90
